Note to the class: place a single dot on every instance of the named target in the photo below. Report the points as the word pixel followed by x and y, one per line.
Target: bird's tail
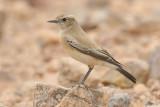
pixel 127 74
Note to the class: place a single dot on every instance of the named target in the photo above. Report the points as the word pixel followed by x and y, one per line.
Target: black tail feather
pixel 127 74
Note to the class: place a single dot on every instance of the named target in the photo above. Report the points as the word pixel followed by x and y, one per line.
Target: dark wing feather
pixel 109 55
pixel 102 55
pixel 120 69
pixel 91 52
pixel 127 74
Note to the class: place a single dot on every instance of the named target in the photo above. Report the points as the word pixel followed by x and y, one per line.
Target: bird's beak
pixel 53 21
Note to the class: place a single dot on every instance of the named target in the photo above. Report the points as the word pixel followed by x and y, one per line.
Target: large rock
pixel 47 96
pixel 82 96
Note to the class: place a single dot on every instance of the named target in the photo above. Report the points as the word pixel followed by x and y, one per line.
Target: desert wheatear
pixel 80 47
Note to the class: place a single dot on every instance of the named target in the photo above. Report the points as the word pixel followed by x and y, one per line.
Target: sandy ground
pixel 30 48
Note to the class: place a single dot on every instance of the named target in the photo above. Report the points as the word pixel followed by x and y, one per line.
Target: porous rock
pixel 82 96
pixel 47 96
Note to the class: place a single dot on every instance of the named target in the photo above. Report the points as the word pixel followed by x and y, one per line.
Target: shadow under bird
pixel 80 47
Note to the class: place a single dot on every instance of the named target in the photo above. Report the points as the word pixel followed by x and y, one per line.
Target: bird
pixel 83 49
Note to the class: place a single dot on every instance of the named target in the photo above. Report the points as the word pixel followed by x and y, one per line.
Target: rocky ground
pixel 35 70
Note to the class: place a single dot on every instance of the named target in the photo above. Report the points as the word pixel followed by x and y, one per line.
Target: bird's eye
pixel 64 19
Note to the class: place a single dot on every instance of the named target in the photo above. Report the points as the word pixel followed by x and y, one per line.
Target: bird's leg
pixel 83 79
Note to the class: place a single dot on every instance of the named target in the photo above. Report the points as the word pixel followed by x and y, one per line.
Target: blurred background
pixel 30 48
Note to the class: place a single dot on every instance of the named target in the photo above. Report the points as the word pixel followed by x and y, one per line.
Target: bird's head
pixel 64 21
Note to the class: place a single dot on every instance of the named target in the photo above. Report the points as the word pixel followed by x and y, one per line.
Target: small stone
pixel 6 76
pixel 152 105
pixel 2 22
pixel 1 105
pixel 155 64
pixel 154 88
pixel 39 3
pixel 97 3
pixel 48 37
pixel 140 88
pixel 119 100
pixel 53 66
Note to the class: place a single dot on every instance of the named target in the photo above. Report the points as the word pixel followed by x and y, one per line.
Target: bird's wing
pixel 109 55
pixel 96 53
pixel 100 54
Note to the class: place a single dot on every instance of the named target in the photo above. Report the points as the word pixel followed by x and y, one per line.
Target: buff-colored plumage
pixel 80 47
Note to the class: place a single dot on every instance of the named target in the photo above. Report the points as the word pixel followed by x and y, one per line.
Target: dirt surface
pixel 31 52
